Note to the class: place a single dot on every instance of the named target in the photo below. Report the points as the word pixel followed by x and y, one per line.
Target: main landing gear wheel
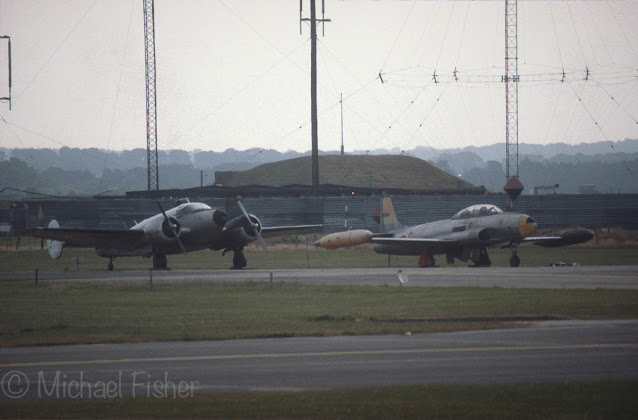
pixel 515 261
pixel 160 262
pixel 110 267
pixel 480 258
pixel 239 260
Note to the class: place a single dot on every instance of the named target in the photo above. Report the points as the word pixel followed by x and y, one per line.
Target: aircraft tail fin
pixel 386 218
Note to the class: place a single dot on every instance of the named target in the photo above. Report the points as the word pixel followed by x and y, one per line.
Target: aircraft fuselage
pixel 497 230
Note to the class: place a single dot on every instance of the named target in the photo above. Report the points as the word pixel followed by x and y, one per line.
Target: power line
pixel 54 52
pixel 599 128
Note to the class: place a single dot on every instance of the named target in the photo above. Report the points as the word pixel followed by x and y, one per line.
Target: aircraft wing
pixel 272 231
pixel 412 241
pixel 93 238
pixel 563 238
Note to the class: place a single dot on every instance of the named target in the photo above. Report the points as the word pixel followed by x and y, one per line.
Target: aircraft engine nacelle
pixel 242 231
pixel 478 238
pixel 160 231
pixel 256 224
pixel 169 231
pixel 490 236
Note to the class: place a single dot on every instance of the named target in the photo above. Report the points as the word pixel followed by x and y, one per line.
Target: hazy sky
pixel 236 73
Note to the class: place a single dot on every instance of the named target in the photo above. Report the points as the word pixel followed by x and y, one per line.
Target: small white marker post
pixel 403 277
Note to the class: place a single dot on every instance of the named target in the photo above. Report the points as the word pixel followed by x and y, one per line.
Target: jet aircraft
pixel 466 236
pixel 184 228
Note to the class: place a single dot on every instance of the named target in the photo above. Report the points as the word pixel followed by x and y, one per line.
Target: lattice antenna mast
pixel 511 90
pixel 151 109
pixel 313 85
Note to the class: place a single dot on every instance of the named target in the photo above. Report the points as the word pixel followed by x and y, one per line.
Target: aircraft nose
pixel 526 226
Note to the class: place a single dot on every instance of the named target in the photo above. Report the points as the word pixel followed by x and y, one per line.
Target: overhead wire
pixel 580 48
pixel 377 101
pixel 447 26
pixel 117 91
pixel 560 54
pixel 17 97
pixel 600 129
pixel 631 47
pixel 398 35
pixel 617 103
pixel 427 115
pixel 430 22
pixel 238 92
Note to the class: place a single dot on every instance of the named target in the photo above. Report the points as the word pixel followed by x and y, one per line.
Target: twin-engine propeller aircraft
pixel 184 228
pixel 466 236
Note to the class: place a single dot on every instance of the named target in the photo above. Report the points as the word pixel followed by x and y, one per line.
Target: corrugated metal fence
pixel 594 211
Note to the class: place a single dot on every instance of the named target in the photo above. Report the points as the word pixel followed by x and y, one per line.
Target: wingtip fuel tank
pixel 344 239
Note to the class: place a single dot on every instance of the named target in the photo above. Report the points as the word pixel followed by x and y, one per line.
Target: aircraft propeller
pixel 237 222
pixel 255 226
pixel 172 227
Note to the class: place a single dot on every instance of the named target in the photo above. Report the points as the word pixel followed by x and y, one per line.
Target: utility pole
pixel 313 86
pixel 341 101
pixel 151 109
pixel 8 98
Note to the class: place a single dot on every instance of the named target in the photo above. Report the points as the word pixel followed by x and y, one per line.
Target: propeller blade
pixel 181 245
pixel 162 210
pixel 261 241
pixel 170 225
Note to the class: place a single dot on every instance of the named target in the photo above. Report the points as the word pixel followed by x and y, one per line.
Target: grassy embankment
pixel 57 312
pixel 290 256
pixel 612 400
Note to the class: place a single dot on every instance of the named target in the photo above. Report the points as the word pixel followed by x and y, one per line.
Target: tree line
pixel 74 172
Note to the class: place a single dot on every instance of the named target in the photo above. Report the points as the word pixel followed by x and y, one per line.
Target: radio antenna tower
pixel 313 84
pixel 151 111
pixel 513 187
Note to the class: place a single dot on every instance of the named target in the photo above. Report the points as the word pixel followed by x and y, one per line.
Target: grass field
pixel 59 312
pixel 94 312
pixel 290 256
pixel 590 400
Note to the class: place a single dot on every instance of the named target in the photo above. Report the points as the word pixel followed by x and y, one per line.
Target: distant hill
pixel 378 171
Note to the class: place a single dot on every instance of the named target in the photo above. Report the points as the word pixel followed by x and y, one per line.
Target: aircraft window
pixel 463 214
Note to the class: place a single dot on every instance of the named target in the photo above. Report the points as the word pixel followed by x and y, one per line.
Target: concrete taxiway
pixel 579 277
pixel 548 351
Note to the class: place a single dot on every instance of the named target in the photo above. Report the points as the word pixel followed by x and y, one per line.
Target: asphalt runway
pixel 545 352
pixel 579 277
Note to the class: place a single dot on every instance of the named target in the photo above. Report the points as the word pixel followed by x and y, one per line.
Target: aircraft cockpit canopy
pixel 477 210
